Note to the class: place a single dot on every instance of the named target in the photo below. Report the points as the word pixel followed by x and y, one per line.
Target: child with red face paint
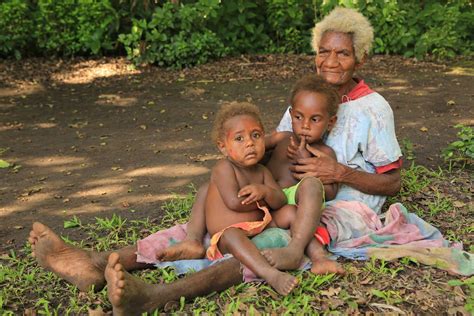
pixel 240 190
pixel 313 113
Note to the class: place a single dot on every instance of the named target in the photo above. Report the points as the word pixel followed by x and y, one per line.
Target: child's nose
pixel 250 142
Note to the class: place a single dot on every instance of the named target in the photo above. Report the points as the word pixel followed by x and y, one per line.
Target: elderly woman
pixel 367 169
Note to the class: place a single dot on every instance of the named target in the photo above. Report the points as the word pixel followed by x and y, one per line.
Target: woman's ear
pixel 332 122
pixel 361 62
pixel 222 149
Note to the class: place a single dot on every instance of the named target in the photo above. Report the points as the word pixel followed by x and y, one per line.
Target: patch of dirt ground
pixel 95 137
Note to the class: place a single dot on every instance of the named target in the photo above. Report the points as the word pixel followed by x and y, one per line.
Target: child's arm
pixel 271 140
pixel 269 191
pixel 223 176
pixel 330 190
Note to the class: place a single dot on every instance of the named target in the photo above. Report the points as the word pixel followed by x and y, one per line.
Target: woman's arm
pixel 328 170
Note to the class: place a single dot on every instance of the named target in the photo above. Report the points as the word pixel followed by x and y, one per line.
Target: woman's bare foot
pixel 187 249
pixel 283 258
pixel 324 265
pixel 282 282
pixel 79 267
pixel 127 294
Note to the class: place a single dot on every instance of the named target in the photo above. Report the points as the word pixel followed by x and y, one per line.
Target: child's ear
pixel 221 146
pixel 332 122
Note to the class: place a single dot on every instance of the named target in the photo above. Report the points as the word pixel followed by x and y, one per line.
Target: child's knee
pixel 230 234
pixel 310 186
pixel 285 216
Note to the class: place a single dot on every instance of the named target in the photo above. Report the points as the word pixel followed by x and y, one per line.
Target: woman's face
pixel 336 60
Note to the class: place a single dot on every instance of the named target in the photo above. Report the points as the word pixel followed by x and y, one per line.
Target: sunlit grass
pixel 25 287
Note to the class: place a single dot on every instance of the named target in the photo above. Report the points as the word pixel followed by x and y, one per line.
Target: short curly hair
pixel 316 84
pixel 230 110
pixel 350 21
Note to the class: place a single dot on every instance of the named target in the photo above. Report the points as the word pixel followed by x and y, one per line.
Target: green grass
pixel 24 286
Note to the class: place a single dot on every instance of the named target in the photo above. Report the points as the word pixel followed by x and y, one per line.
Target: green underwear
pixel 290 194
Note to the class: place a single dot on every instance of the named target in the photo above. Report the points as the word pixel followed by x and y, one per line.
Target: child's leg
pixel 319 258
pixel 310 199
pixel 191 247
pixel 234 241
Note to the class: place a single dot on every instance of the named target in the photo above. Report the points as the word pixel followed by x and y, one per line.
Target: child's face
pixel 310 117
pixel 243 142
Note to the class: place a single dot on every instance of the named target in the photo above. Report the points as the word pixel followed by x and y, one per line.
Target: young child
pixel 239 192
pixel 313 112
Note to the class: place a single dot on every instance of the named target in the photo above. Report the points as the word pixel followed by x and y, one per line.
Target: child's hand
pixel 254 193
pixel 296 151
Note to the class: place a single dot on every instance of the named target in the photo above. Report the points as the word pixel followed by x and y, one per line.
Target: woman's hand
pixel 297 151
pixel 321 165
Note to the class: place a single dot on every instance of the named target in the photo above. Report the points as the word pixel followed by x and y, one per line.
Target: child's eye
pixel 239 138
pixel 256 135
pixel 316 119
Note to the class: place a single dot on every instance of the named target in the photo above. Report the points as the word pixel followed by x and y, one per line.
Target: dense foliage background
pixel 189 32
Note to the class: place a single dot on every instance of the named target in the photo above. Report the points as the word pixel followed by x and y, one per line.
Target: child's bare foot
pixel 72 264
pixel 282 282
pixel 283 258
pixel 187 249
pixel 127 294
pixel 324 265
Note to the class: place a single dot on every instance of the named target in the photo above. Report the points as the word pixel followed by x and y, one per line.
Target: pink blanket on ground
pixel 358 233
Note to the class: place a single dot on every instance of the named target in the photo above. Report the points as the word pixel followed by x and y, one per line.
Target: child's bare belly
pixel 284 178
pixel 218 216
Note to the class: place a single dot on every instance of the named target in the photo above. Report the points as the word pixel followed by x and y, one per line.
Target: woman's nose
pixel 332 60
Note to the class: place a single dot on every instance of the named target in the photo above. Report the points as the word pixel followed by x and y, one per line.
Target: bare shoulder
pixel 282 145
pixel 284 139
pixel 222 167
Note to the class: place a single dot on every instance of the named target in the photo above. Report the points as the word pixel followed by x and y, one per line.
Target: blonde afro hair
pixel 345 20
pixel 231 110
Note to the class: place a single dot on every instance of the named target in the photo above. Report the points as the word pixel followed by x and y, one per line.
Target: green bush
pixel 176 36
pixel 447 31
pixel 194 31
pixel 72 27
pixel 442 29
pixel 240 24
pixel 290 23
pixel 15 28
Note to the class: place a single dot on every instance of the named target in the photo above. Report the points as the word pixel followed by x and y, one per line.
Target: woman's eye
pixel 344 53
